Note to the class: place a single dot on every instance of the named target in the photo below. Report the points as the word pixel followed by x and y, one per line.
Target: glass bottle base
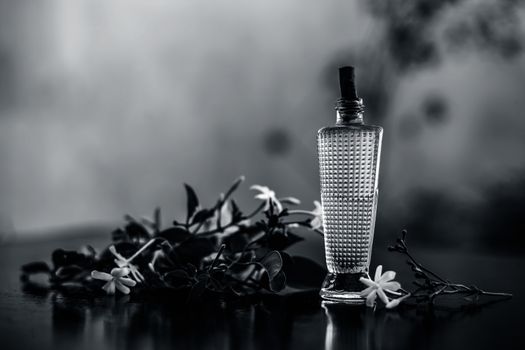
pixel 343 288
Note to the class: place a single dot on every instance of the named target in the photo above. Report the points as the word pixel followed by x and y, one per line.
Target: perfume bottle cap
pixel 349 107
pixel 347 83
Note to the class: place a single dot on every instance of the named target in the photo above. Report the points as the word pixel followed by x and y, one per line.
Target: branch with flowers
pixel 429 286
pixel 218 249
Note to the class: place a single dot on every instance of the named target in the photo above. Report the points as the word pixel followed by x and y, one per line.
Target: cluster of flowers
pixel 126 274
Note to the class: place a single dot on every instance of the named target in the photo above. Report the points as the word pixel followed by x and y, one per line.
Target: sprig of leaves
pixel 430 285
pixel 218 250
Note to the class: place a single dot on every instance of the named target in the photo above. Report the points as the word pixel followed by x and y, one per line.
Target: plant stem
pixel 217 257
pixel 256 211
pixel 233 223
pixel 302 223
pixel 299 211
pixel 144 247
pixel 424 268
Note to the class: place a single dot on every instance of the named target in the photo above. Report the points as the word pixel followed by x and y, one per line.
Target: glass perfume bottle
pixel 349 155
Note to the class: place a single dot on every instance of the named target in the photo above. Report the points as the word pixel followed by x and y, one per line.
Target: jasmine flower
pixel 383 282
pixel 126 263
pixel 317 213
pixel 267 195
pixel 116 279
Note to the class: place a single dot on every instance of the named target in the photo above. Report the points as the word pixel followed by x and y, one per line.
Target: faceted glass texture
pixel 349 167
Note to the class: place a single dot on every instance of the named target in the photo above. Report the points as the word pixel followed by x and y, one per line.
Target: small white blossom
pixel 317 221
pixel 126 263
pixel 267 195
pixel 116 279
pixel 383 282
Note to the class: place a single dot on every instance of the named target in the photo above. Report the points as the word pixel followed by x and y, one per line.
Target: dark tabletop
pixel 39 320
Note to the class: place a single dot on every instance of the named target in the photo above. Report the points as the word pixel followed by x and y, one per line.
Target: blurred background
pixel 108 106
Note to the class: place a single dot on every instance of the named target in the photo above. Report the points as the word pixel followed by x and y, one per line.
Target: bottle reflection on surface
pixel 348 327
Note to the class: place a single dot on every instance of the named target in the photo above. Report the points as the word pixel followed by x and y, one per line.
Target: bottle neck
pixel 349 111
pixel 343 118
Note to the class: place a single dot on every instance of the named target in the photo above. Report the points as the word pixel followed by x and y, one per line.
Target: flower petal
pixel 120 263
pixel 379 271
pixel 290 200
pixel 365 292
pixel 101 275
pixel 262 196
pixel 371 298
pixel 121 287
pixel 315 223
pixel 391 286
pixel 127 281
pixel 395 302
pixel 382 296
pixel 387 276
pixel 277 205
pixel 259 188
pixel 113 251
pixel 109 287
pixel 136 274
pixel 368 282
pixel 152 268
pixel 119 272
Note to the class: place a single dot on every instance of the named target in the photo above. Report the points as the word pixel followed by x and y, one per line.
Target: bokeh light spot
pixel 277 142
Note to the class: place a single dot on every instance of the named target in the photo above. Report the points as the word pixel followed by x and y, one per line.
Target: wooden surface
pixel 34 320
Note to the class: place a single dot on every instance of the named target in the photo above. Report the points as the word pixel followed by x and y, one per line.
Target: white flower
pixel 267 195
pixel 317 213
pixel 126 263
pixel 117 279
pixel 383 282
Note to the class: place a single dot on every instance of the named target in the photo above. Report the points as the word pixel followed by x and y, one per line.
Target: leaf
pixel 304 273
pixel 202 215
pixel 66 272
pixel 278 282
pixel 157 219
pixel 282 239
pixel 175 234
pixel 177 279
pixel 192 202
pixel 36 267
pixel 88 251
pixel 119 235
pixel 136 232
pixel 193 250
pixel 236 212
pixel 273 263
pixel 61 257
pixel 233 187
pixel 272 278
pixel 275 284
pixel 235 243
pixel 191 270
